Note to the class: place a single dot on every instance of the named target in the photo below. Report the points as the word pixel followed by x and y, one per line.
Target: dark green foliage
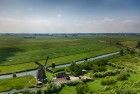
pixel 87 65
pixel 125 91
pixel 53 65
pixel 121 52
pixel 52 88
pixel 138 44
pixel 38 92
pixel 132 51
pixel 102 62
pixel 123 76
pixel 107 73
pixel 14 75
pixel 82 88
pixel 126 87
pixel 96 68
pixel 76 69
pixel 137 84
pixel 115 65
pixel 118 43
pixel 108 81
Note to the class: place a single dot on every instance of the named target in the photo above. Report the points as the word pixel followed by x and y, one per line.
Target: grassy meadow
pixel 18 52
pixel 131 85
pixel 17 83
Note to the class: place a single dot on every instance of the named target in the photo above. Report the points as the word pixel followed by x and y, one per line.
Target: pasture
pixel 124 85
pixel 17 83
pixel 18 53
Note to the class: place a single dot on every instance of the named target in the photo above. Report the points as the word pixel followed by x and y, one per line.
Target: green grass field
pixel 129 61
pixel 17 83
pixel 18 53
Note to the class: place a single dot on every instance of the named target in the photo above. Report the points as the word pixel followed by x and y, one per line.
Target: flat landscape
pixel 69 46
pixel 18 52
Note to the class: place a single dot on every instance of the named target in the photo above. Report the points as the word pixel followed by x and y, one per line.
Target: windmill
pixel 41 71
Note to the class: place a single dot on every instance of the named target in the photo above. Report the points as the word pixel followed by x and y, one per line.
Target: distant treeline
pixel 30 37
pixel 66 34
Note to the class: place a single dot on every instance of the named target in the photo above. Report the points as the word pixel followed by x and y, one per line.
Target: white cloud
pixel 108 20
pixel 39 25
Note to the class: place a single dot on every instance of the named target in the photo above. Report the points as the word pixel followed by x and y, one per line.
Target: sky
pixel 69 16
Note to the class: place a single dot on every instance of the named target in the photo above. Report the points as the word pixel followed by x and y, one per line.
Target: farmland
pixel 131 84
pixel 17 83
pixel 18 52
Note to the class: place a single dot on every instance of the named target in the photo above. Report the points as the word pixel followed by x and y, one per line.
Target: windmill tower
pixel 41 71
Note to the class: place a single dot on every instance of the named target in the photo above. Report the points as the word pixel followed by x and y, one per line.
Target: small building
pixel 63 74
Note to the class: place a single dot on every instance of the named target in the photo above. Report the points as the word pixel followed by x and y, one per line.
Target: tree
pixel 138 44
pixel 53 65
pixel 121 52
pixel 82 88
pixel 101 62
pixel 75 69
pixel 14 75
pixel 132 51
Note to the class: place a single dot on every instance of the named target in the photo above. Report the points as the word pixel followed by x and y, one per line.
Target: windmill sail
pixel 36 62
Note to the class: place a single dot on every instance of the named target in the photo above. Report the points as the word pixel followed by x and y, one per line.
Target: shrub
pixel 53 65
pixel 136 84
pixel 118 43
pixel 132 51
pixel 115 65
pixel 108 81
pixel 38 91
pixel 14 75
pixel 125 91
pixel 107 73
pixel 87 66
pixel 123 76
pixel 52 88
pixel 121 52
pixel 76 69
pixel 138 44
pixel 82 88
pixel 98 68
pixel 126 87
pixel 102 62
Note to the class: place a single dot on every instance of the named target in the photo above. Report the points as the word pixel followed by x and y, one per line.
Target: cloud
pixel 39 25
